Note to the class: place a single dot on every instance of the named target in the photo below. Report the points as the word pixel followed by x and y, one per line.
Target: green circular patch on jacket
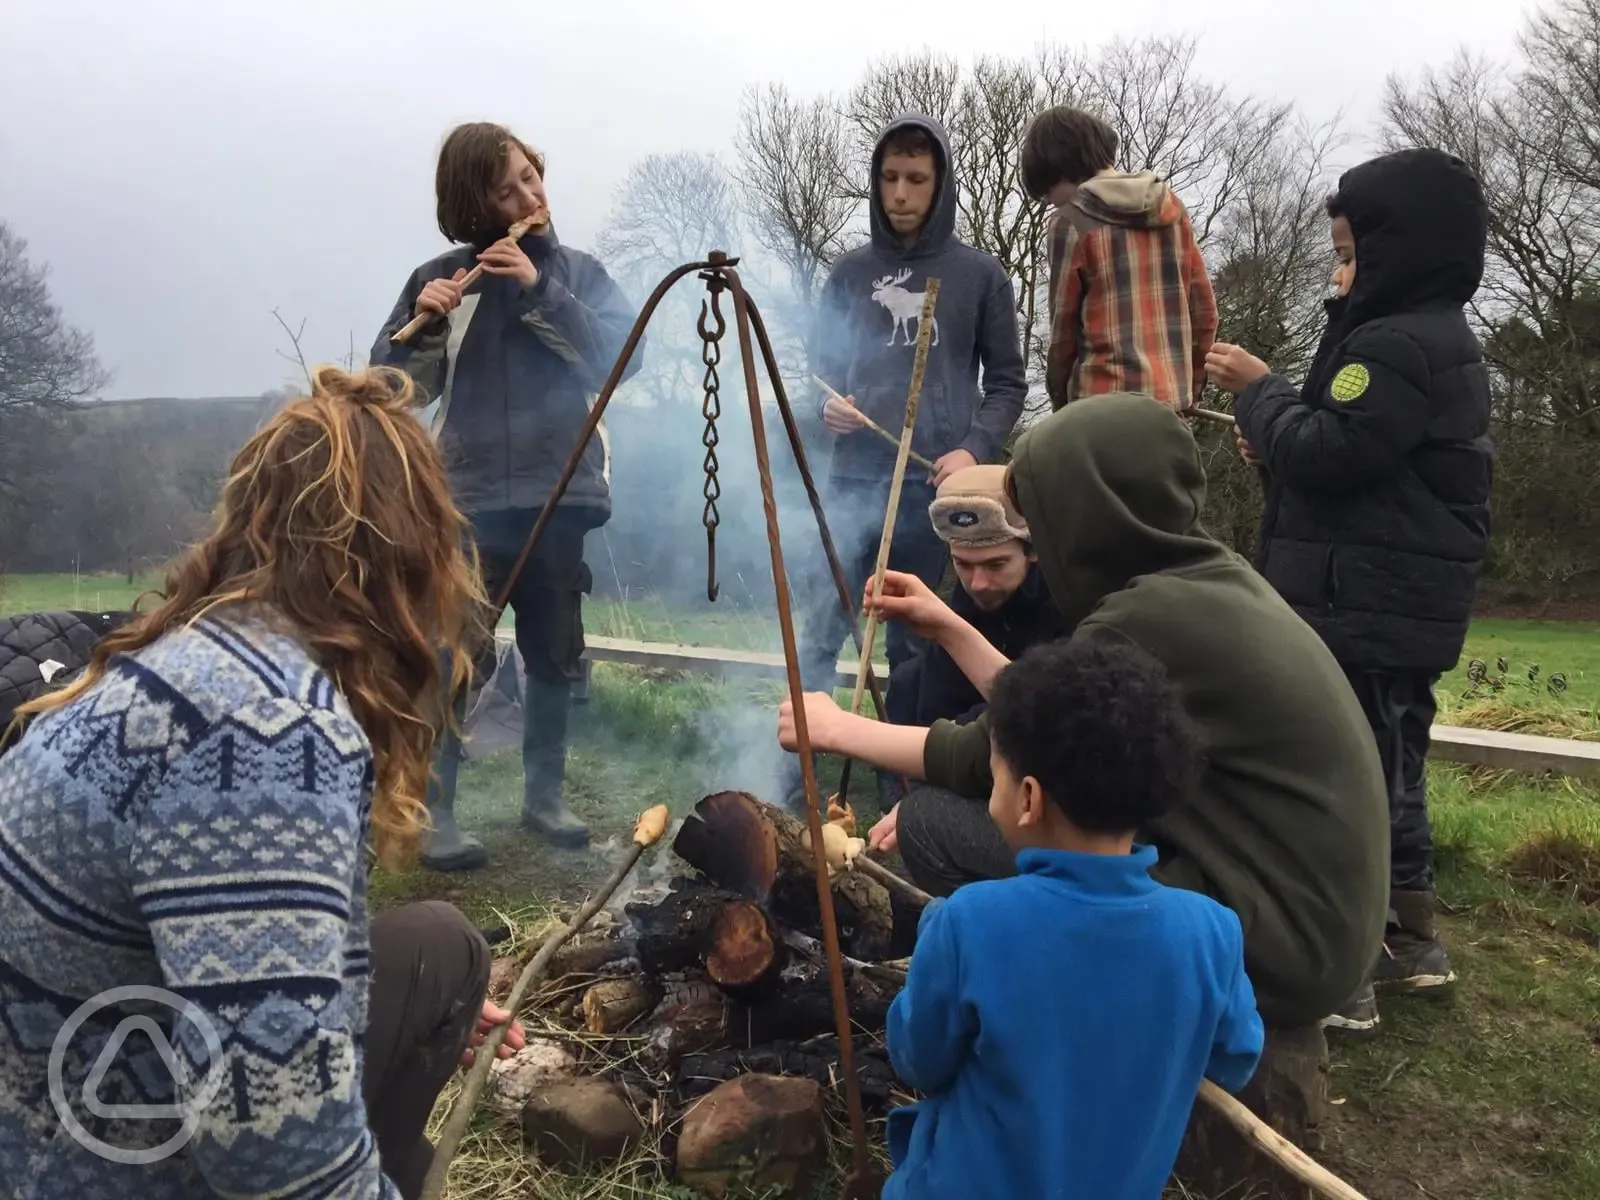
pixel 1350 383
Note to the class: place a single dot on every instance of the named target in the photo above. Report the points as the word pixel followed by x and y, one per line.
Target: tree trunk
pixel 758 851
pixel 1289 1091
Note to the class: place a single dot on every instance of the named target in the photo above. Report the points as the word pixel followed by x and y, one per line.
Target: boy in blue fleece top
pixel 1059 1022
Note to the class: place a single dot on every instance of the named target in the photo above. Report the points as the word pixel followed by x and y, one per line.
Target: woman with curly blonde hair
pixel 193 814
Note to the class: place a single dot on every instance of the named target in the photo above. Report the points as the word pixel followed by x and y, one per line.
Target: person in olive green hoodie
pixel 1289 824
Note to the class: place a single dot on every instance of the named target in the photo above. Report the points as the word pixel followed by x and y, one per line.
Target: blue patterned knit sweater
pixel 197 823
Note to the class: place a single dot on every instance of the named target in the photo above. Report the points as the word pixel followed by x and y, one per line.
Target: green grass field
pixel 1492 1095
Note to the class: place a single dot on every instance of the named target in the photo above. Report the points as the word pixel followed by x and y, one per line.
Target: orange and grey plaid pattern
pixel 1131 309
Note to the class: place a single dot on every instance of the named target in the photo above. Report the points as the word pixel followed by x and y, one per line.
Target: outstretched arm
pixel 1372 413
pixel 244 863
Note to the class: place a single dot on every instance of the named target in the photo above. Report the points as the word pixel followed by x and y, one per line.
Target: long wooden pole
pixel 913 401
pixel 646 832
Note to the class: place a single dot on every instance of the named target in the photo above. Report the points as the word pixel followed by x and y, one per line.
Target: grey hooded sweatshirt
pixel 867 331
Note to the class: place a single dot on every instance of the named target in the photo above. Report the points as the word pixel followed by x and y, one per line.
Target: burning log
pixel 760 853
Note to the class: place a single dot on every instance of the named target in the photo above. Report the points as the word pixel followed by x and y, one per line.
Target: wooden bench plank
pixel 706 660
pixel 1451 743
pixel 1516 751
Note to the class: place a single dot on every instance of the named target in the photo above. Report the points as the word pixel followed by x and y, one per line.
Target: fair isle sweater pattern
pixel 196 822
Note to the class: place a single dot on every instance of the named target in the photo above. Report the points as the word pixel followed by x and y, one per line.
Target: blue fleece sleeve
pixel 931 1026
pixel 1373 412
pixel 244 862
pixel 1240 1033
pixel 1005 376
pixel 586 325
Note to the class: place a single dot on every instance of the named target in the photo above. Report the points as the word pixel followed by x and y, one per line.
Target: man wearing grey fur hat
pixel 1001 594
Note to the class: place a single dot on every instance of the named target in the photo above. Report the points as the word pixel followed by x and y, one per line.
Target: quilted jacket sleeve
pixel 40 652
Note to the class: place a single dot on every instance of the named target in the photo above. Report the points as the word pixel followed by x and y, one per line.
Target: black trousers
pixel 547 599
pixel 947 841
pixel 430 973
pixel 1400 708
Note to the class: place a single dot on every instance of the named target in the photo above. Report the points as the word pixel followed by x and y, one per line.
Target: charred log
pixel 744 955
pixel 678 932
pixel 693 1017
pixel 759 852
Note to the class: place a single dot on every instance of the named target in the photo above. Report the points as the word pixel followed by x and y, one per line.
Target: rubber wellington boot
pixel 1413 958
pixel 446 847
pixel 545 710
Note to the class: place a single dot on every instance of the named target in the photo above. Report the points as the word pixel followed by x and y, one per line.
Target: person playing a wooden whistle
pixel 511 363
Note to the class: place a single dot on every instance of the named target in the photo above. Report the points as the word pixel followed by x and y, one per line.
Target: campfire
pixel 706 1006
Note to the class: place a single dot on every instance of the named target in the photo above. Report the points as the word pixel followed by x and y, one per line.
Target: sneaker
pixel 1359 1014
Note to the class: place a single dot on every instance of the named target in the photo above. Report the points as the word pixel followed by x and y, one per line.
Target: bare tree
pixel 1561 83
pixel 46 367
pixel 1192 132
pixel 794 173
pixel 669 209
pixel 1269 251
pixel 1544 226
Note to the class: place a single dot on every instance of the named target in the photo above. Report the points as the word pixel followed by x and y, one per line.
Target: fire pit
pixel 706 1006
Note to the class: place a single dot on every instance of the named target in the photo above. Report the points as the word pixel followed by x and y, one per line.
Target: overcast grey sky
pixel 186 166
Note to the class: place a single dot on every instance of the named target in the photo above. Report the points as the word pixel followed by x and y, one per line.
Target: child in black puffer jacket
pixel 1378 473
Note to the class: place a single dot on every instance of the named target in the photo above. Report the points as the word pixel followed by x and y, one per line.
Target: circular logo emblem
pixel 187 1112
pixel 1350 383
pixel 963 518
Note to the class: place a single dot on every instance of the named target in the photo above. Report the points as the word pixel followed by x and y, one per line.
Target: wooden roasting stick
pixel 1254 1130
pixel 925 463
pixel 422 320
pixel 896 482
pixel 646 832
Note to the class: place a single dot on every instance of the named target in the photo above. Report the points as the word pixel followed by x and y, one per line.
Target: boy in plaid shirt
pixel 1131 305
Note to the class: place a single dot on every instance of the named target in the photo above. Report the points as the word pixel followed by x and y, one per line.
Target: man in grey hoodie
pixel 972 393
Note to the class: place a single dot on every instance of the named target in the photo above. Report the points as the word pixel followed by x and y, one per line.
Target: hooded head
pixel 940 225
pixel 1420 223
pixel 1111 488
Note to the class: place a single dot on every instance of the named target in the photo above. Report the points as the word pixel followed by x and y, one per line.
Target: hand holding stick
pixel 871 424
pixel 422 320
pixel 913 401
pixel 646 832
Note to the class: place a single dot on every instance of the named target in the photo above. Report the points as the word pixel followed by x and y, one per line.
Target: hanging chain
pixel 711 355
